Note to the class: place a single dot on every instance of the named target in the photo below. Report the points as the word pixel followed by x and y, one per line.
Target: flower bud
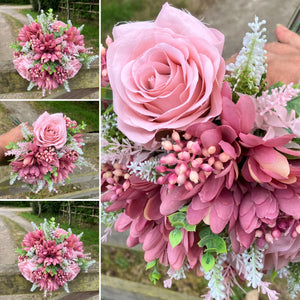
pixel 187 136
pixel 184 155
pixel 212 150
pixel 188 186
pixel 194 177
pixel 224 157
pixel 167 145
pixel 175 136
pixel 172 178
pixel 181 179
pixel 161 169
pixel 177 148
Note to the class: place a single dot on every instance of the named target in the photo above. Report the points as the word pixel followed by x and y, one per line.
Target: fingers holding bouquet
pixel 283 57
pixel 12 136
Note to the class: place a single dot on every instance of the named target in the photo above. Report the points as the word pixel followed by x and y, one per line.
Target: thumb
pixel 287 36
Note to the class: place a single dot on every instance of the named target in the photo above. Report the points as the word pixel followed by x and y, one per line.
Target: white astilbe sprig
pixel 27 134
pixel 216 280
pixel 30 19
pixel 253 261
pixel 250 63
pixel 145 170
pixel 176 274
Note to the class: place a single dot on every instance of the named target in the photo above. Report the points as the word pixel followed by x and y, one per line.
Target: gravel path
pixel 7 245
pixel 10 213
pixel 6 34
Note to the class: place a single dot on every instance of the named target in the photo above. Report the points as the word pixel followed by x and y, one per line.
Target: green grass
pixel 90 231
pixel 87 111
pixel 90 30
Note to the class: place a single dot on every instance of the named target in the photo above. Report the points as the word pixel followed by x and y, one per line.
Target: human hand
pixel 14 135
pixel 283 57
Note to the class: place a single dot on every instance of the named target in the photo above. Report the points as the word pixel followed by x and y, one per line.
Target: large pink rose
pixel 26 267
pixel 73 66
pixel 165 74
pixel 22 64
pixel 72 271
pixel 50 130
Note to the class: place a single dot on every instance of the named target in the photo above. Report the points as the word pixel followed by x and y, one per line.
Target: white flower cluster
pixel 251 58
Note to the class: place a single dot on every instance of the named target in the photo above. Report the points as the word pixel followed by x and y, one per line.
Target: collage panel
pixel 49 49
pixel 49 250
pixel 49 150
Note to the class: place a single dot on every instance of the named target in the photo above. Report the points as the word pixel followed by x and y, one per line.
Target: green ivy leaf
pixel 178 220
pixel 175 237
pixel 154 276
pixel 151 264
pixel 207 261
pixel 212 242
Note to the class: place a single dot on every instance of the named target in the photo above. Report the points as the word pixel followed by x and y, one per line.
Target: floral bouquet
pixel 51 256
pixel 49 52
pixel 48 153
pixel 201 162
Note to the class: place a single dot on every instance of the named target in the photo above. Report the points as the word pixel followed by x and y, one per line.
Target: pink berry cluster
pixel 284 225
pixel 115 178
pixel 189 162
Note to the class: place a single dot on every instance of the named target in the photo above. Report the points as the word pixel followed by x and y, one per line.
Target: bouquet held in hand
pixel 51 257
pixel 49 52
pixel 48 153
pixel 201 166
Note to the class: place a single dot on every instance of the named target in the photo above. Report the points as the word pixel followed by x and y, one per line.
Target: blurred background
pixel 231 17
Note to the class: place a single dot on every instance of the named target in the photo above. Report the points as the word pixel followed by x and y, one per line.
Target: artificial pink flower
pixel 50 130
pixel 57 25
pixel 29 33
pixel 72 271
pixel 173 77
pixel 32 239
pixel 73 67
pixel 59 232
pixel 27 268
pixel 22 64
pixel 282 252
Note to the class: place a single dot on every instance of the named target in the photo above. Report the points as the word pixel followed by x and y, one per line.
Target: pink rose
pixel 72 271
pixel 50 130
pixel 59 232
pixel 73 66
pixel 26 267
pixel 165 74
pixel 58 24
pixel 22 65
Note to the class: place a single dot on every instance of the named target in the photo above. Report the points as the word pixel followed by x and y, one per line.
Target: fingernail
pixel 280 25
